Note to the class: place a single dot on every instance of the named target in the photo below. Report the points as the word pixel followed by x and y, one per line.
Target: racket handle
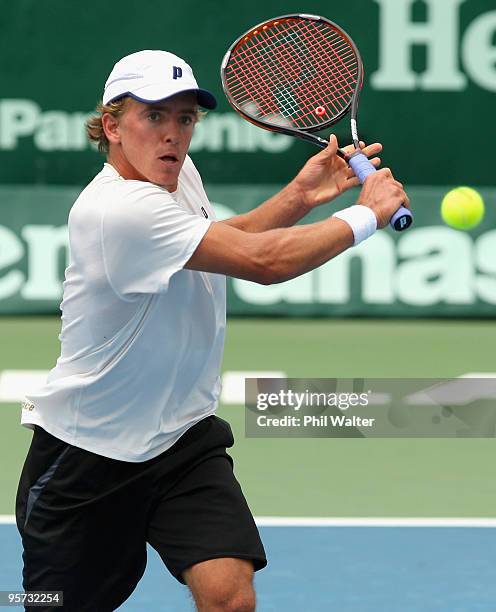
pixel 362 167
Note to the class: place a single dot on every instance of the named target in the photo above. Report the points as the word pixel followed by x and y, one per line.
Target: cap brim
pixel 148 96
pixel 207 99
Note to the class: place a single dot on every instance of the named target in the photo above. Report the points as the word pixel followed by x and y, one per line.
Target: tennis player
pixel 126 447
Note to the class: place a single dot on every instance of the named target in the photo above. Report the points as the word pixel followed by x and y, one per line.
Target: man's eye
pixel 154 116
pixel 187 119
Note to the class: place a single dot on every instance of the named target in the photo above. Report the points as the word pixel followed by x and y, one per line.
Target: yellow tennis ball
pixel 462 208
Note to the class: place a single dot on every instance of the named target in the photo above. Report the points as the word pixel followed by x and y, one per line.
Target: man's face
pixel 152 139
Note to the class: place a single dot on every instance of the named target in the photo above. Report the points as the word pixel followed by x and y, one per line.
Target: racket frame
pixel 308 134
pixel 402 219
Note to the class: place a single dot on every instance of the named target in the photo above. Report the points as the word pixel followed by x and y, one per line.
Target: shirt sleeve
pixel 146 238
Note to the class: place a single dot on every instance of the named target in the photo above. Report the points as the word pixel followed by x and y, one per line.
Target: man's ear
pixel 110 126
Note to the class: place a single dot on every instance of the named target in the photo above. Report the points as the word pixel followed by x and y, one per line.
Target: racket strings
pixel 253 85
pixel 338 80
pixel 257 62
pixel 273 56
pixel 285 93
pixel 303 65
pixel 336 72
pixel 286 71
pixel 289 101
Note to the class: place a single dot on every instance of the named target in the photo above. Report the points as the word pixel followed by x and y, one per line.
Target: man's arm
pixel 276 255
pixel 323 178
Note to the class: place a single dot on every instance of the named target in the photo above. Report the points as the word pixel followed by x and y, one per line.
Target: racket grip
pixel 362 167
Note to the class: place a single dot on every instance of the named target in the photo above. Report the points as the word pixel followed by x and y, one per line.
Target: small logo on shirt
pixel 204 212
pixel 27 405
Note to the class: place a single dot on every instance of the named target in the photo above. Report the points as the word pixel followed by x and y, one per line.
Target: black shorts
pixel 85 519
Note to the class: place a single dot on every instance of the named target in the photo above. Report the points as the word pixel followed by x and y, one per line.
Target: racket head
pixel 294 74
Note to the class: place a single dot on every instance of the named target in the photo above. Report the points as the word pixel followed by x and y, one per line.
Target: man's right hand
pixel 384 195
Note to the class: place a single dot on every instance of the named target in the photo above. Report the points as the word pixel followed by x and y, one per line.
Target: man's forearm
pixel 272 256
pixel 283 209
pixel 288 253
pixel 275 255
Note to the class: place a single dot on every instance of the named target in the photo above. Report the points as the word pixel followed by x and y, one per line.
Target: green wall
pixel 428 96
pixel 430 270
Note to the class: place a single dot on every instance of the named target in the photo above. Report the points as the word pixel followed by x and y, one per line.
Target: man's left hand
pixel 326 175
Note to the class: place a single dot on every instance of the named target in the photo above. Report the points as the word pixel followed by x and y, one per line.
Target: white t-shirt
pixel 142 338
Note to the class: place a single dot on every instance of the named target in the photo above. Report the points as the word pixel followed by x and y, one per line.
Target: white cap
pixel 150 76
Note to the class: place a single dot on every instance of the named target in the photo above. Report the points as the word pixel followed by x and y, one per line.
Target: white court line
pixel 233 384
pixel 302 521
pixel 478 375
pixel 282 521
pixel 16 384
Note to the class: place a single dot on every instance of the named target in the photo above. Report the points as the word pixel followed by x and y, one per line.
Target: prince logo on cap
pixel 177 72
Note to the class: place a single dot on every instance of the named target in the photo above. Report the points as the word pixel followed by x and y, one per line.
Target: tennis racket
pixel 300 74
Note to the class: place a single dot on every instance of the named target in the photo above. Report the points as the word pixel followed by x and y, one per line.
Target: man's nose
pixel 172 134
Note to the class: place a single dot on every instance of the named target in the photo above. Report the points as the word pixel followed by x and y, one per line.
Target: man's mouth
pixel 169 159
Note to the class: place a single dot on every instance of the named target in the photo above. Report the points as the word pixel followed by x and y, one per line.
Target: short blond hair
pixel 94 125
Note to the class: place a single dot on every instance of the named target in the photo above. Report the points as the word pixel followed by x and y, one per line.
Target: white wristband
pixel 361 219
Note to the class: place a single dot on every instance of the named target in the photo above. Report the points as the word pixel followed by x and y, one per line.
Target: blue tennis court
pixel 345 569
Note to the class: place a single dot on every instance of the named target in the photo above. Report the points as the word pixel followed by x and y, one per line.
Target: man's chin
pixel 167 180
pixel 166 183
